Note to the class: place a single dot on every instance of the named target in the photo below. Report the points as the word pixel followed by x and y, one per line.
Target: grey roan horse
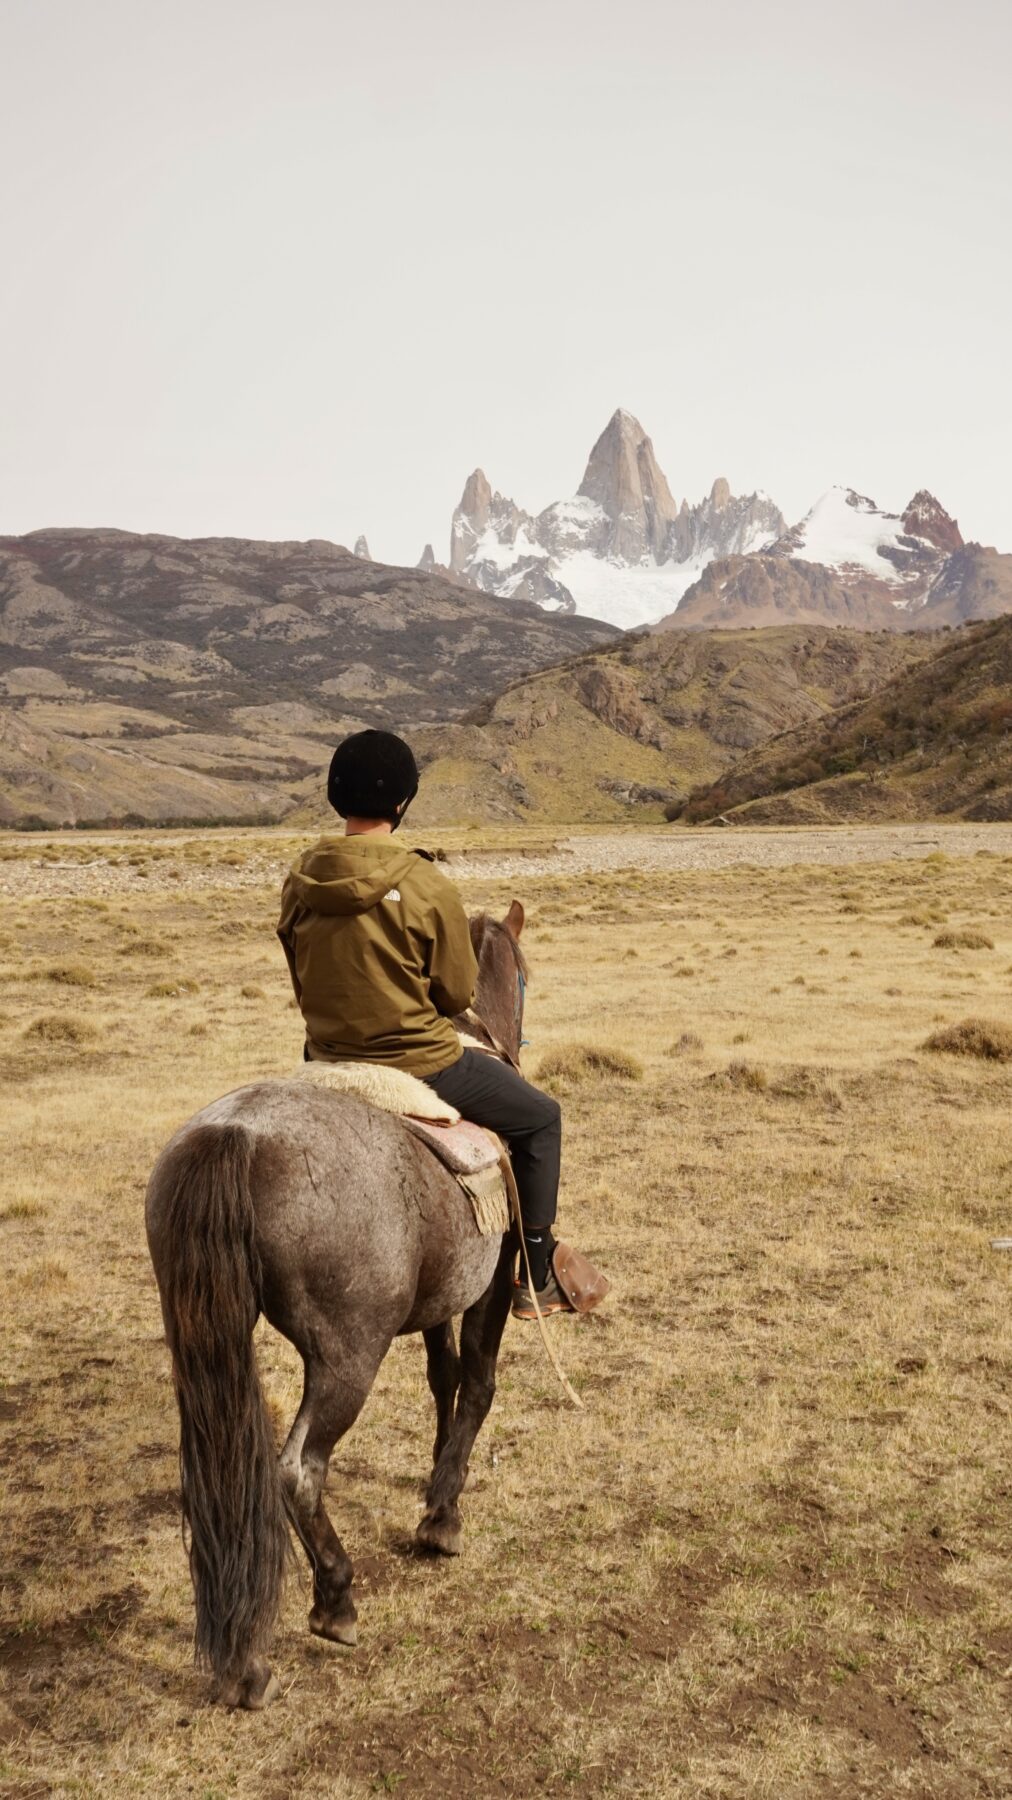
pixel 329 1217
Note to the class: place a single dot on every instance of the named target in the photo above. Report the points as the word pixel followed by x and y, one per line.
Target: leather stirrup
pixel 583 1285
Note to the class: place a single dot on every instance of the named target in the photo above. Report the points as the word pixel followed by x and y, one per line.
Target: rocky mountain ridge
pixel 626 730
pixel 850 563
pixel 155 678
pixel 620 549
pixel 624 550
pixel 934 739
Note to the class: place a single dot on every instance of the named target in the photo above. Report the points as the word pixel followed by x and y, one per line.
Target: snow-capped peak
pixel 846 530
pixel 620 549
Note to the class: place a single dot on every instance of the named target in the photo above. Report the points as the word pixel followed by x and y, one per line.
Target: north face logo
pixel 394 894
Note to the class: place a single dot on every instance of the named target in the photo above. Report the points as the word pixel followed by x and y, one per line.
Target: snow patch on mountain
pixel 491 549
pixel 626 595
pixel 845 530
pixel 849 535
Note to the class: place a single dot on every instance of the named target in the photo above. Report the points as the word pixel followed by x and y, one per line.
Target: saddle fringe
pixel 486 1190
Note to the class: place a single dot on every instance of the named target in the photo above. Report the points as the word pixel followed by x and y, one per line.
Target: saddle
pixel 479 1160
pixel 474 1156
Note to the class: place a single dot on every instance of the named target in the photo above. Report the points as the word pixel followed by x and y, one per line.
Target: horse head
pixel 502 975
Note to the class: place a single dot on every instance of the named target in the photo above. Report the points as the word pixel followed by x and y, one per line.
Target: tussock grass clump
pixel 574 1065
pixel 146 946
pixel 72 974
pixel 973 1037
pixel 251 991
pixel 60 1028
pixel 806 1081
pixel 21 1209
pixel 750 1076
pixel 39 1276
pixel 689 1040
pixel 65 974
pixel 173 988
pixel 964 937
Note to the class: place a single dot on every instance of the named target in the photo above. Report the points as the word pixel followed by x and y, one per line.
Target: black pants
pixel 489 1092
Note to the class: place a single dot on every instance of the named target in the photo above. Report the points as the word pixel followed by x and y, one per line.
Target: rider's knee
pixel 553 1113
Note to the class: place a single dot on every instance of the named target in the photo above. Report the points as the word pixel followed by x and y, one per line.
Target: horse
pixel 336 1223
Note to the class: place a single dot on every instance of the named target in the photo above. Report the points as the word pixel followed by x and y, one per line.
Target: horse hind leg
pixel 480 1337
pixel 336 1388
pixel 443 1370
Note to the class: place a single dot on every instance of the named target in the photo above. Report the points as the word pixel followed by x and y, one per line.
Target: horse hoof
pixel 337 1631
pixel 270 1693
pixel 440 1535
pixel 253 1690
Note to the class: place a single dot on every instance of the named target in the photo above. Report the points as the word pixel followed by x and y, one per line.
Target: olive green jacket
pixel 380 954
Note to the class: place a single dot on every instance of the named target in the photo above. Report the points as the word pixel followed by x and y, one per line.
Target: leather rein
pixel 481 1030
pixel 492 1047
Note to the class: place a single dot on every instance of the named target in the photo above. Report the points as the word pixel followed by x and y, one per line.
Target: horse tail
pixel 211 1280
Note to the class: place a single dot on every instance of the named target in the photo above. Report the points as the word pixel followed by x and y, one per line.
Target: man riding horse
pixel 329 1217
pixel 381 961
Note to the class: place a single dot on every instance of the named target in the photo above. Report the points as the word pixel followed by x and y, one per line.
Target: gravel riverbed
pixel 97 867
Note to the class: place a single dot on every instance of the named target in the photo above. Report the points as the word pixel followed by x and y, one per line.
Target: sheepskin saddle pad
pixel 473 1155
pixel 392 1090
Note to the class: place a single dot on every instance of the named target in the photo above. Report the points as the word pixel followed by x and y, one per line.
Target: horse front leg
pixel 480 1337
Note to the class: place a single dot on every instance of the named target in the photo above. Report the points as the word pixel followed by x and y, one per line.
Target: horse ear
pixel 514 920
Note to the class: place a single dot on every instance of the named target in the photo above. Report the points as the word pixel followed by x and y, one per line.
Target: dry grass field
pixel 770 1558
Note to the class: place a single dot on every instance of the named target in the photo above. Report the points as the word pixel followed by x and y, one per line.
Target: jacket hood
pixel 350 875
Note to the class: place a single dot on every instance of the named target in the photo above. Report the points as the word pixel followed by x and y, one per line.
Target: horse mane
pixel 483 925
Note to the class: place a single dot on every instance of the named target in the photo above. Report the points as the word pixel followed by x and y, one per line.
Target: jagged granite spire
pixel 480 511
pixel 623 477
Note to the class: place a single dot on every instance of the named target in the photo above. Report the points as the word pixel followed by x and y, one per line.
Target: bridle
pixel 519 1008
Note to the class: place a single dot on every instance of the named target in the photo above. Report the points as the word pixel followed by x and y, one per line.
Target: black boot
pixel 550 1297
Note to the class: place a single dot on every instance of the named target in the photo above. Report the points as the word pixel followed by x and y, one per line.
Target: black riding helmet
pixel 372 774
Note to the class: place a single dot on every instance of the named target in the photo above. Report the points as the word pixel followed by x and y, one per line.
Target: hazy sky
pixel 294 269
